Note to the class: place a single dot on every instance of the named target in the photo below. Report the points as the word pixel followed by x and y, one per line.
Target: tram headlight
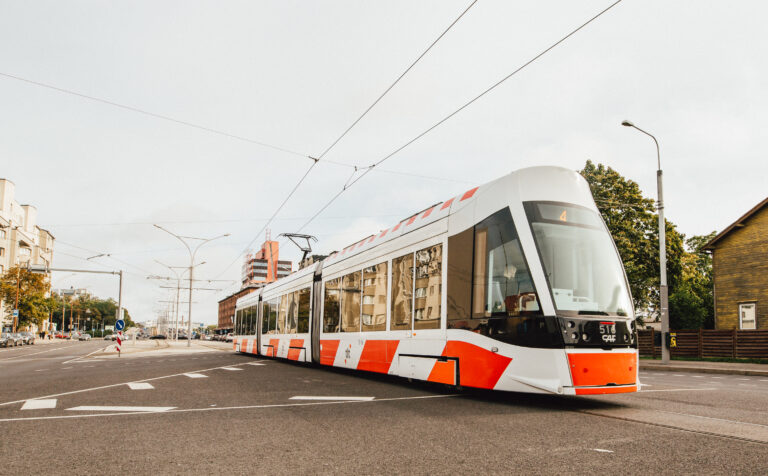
pixel 574 336
pixel 571 324
pixel 585 336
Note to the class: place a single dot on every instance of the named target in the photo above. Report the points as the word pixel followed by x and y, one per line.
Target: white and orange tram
pixel 515 285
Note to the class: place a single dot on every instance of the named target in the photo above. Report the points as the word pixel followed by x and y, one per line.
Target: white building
pixel 22 242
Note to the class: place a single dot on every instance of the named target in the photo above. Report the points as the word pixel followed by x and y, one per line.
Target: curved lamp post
pixel 663 291
pixel 192 253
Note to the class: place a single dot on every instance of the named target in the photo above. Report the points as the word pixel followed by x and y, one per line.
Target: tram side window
pixel 274 304
pixel 374 315
pixel 247 321
pixel 502 284
pixel 264 317
pixel 402 292
pixel 254 319
pixel 303 312
pixel 350 302
pixel 331 305
pixel 428 287
pixel 290 327
pixel 282 311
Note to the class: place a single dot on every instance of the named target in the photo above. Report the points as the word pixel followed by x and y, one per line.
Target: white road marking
pixel 600 450
pixel 35 353
pixel 230 368
pixel 697 376
pixel 361 399
pixel 40 370
pixel 96 408
pixel 66 368
pixel 106 386
pixel 255 363
pixel 194 375
pixel 678 375
pixel 140 386
pixel 39 404
pixel 715 377
pixel 743 379
pixel 244 407
pixel 748 384
pixel 764 379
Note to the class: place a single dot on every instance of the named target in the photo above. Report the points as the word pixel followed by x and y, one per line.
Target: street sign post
pixel 119 326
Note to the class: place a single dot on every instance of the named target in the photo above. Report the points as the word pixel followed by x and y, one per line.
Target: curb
pixel 705 370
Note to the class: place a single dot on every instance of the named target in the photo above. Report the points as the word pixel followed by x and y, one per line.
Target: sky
pixel 296 74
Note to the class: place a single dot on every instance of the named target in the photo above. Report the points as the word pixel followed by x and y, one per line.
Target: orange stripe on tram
pixel 478 367
pixel 377 355
pixel 595 370
pixel 328 350
pixel 294 353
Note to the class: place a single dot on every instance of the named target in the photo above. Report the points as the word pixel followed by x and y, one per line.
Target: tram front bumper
pixel 602 372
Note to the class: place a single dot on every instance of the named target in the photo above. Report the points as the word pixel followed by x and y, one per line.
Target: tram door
pixel 316 324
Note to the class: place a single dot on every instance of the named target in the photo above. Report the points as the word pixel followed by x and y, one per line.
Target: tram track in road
pixel 762 441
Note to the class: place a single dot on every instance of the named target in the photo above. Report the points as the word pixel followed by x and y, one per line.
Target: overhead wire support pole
pixel 192 253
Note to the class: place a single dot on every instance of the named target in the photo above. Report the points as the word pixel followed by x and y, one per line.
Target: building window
pixel 402 292
pixel 350 302
pixel 747 313
pixel 429 273
pixel 331 306
pixel 2 251
pixel 374 313
pixel 2 234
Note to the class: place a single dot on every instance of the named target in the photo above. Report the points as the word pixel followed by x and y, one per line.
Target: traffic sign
pixel 15 313
pixel 119 324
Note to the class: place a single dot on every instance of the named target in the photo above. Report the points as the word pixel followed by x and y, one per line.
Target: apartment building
pixel 22 241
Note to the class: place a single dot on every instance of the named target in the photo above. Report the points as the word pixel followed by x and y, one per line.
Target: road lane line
pixel 36 353
pixel 195 375
pixel 107 408
pixel 108 386
pixel 242 407
pixel 39 404
pixel 600 450
pixel 84 356
pixel 140 386
pixel 230 368
pixel 301 397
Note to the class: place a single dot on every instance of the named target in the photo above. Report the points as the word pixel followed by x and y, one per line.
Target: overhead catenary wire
pixel 381 96
pixel 349 183
pixel 356 121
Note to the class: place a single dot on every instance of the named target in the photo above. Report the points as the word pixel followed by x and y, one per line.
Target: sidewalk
pixel 733 368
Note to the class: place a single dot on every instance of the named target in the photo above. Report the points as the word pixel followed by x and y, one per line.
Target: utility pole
pixel 192 253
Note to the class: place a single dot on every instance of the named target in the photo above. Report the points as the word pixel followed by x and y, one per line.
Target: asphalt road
pixel 219 412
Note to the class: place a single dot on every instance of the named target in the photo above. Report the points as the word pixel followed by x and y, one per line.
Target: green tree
pixel 32 289
pixel 691 302
pixel 633 224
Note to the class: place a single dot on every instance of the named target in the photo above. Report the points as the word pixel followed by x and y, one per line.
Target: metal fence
pixel 708 343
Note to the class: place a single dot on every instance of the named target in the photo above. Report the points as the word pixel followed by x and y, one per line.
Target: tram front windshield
pixel 580 260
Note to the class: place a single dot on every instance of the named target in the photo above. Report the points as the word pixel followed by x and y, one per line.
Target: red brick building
pixel 227 307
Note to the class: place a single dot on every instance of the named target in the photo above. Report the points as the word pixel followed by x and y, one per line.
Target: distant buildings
pixel 740 269
pixel 22 242
pixel 265 266
pixel 259 268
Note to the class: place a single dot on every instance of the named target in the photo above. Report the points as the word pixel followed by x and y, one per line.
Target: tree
pixel 633 224
pixel 692 302
pixel 32 289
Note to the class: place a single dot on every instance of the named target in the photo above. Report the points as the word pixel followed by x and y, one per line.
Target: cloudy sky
pixel 296 74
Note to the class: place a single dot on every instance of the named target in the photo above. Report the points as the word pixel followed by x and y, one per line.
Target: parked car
pixel 28 338
pixel 159 336
pixel 228 338
pixel 5 340
pixel 13 339
pixel 84 336
pixel 59 335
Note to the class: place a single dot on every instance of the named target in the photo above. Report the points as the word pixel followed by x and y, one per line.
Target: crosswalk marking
pixel 39 404
pixel 194 375
pixel 140 386
pixel 230 368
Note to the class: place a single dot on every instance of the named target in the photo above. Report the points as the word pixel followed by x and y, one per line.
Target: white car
pixel 84 337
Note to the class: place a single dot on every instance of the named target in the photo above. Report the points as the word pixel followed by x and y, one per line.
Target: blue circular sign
pixel 120 324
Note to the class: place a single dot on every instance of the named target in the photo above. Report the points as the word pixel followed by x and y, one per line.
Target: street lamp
pixel 663 291
pixel 192 253
pixel 178 287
